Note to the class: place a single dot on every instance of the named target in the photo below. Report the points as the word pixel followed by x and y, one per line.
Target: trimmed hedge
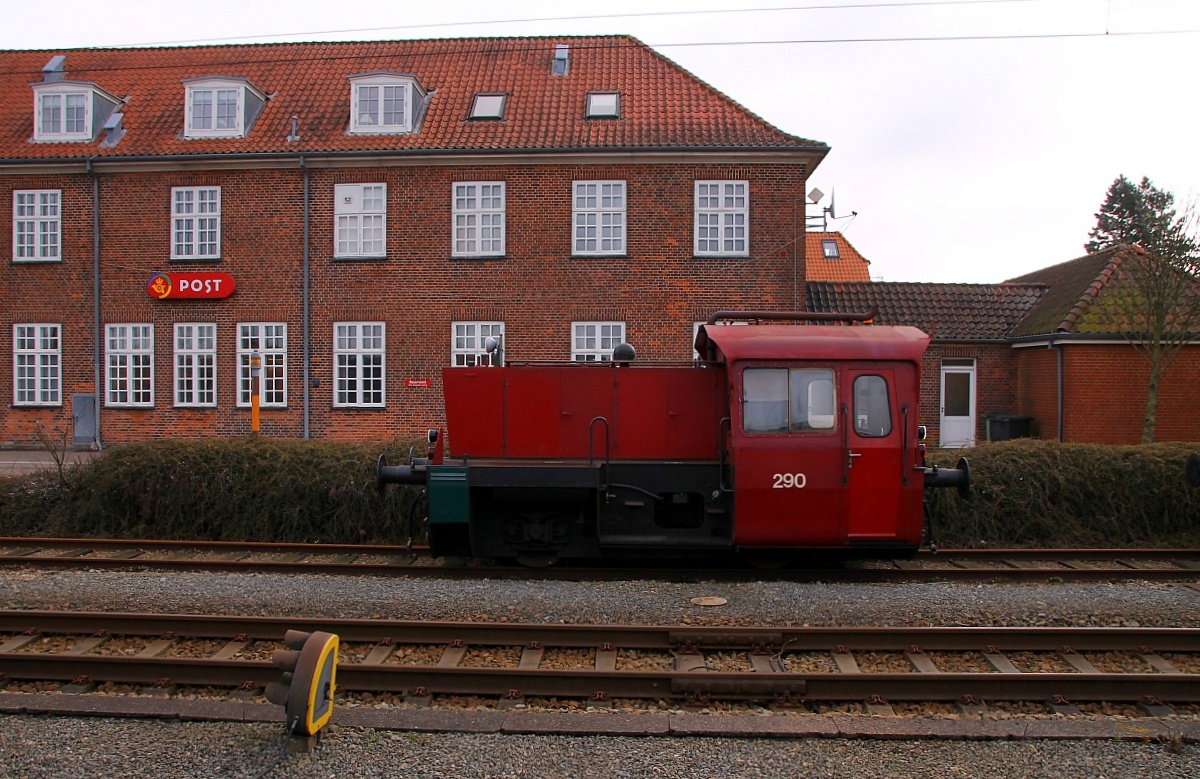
pixel 1034 493
pixel 223 490
pixel 1024 493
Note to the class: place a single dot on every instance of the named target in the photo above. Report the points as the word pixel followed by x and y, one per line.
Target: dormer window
pixel 70 110
pixel 384 103
pixel 221 107
pixel 603 105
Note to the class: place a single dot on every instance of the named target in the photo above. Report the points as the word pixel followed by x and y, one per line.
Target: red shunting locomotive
pixel 783 438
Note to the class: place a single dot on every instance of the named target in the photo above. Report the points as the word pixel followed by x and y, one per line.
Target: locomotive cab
pixel 823 435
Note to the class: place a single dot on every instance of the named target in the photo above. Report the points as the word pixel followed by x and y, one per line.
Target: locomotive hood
pixel 730 343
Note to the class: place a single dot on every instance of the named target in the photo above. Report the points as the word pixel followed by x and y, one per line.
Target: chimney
pixel 561 64
pixel 54 70
pixel 113 131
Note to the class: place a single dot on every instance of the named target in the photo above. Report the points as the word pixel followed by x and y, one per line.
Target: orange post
pixel 255 390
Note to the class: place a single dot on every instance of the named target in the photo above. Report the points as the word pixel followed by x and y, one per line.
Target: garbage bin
pixel 1005 427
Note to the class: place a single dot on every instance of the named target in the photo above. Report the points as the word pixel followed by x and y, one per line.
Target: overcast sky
pixel 976 157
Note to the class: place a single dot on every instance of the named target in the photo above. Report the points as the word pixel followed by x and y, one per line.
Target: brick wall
pixel 658 289
pixel 1106 388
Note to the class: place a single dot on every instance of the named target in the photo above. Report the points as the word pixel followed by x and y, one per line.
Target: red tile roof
pixel 948 312
pixel 662 105
pixel 1072 287
pixel 848 266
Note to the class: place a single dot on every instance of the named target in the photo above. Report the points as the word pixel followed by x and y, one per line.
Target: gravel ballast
pixel 60 746
pixel 66 748
pixel 621 602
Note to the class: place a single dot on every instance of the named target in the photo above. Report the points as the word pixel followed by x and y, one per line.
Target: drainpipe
pixel 305 315
pixel 1058 352
pixel 97 335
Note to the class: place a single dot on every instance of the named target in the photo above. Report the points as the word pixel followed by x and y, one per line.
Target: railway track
pixel 1159 667
pixel 361 560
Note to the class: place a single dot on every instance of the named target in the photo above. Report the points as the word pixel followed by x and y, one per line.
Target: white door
pixel 958 403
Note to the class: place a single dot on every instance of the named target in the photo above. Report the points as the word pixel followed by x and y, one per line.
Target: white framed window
pixel 603 105
pixel 269 340
pixel 195 364
pixel 469 348
pixel 358 364
pixel 478 213
pixel 722 218
pixel 361 214
pixel 830 250
pixel 195 223
pixel 37 365
pixel 598 211
pixel 37 225
pixel 220 107
pixel 595 341
pixel 129 366
pixel 382 103
pixel 62 113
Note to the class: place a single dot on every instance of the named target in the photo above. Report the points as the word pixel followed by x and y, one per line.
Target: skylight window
pixel 488 106
pixel 830 249
pixel 603 105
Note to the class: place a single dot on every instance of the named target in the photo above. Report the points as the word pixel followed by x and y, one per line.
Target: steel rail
pixel 766 682
pixel 347 559
pixel 664 637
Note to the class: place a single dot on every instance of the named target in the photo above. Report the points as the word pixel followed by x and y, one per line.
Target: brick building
pixel 359 215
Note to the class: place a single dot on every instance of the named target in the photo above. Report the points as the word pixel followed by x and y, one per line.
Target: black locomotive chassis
pixel 580 509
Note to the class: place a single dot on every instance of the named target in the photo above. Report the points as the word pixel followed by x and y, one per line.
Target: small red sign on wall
pixel 417 383
pixel 190 285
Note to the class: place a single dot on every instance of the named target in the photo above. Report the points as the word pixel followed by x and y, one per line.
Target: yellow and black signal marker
pixel 309 681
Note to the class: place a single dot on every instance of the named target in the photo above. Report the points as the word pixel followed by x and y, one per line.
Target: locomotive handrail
pixel 725 423
pixel 845 444
pixel 591 439
pixel 796 316
pixel 904 446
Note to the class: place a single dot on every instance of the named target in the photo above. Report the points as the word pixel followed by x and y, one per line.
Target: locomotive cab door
pixel 788 459
pixel 883 502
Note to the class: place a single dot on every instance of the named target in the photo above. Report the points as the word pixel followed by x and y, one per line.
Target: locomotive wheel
pixel 765 560
pixel 537 559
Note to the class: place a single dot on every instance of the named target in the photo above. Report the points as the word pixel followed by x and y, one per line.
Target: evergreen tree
pixel 1154 294
pixel 1142 215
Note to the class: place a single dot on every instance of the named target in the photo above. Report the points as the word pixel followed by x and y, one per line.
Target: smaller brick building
pixel 1030 355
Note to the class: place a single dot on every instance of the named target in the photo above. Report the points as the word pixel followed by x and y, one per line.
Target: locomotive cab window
pixel 781 400
pixel 872 407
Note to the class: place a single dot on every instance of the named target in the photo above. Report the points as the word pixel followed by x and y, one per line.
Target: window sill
pixel 360 258
pixel 477 257
pixel 36 260
pixel 204 260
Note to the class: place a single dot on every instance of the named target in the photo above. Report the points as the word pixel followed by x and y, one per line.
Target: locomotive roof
pixel 813 342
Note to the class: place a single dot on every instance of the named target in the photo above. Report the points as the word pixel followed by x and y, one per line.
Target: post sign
pixel 173 286
pixel 422 383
